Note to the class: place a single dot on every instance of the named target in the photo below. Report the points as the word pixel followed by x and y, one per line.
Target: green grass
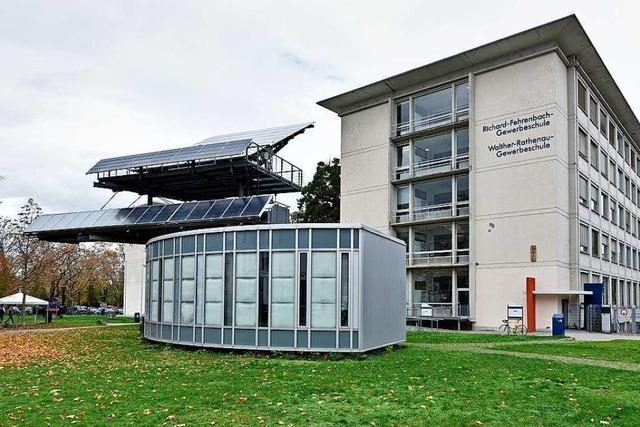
pixel 71 321
pixel 617 350
pixel 468 338
pixel 115 379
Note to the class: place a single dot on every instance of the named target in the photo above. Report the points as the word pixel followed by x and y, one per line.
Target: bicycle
pixel 517 329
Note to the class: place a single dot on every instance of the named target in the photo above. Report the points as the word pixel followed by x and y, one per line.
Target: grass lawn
pixel 617 350
pixel 71 321
pixel 469 338
pixel 107 376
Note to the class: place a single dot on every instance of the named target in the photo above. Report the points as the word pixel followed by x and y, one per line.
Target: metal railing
pixel 431 258
pixel 265 159
pixel 443 210
pixel 432 121
pixel 445 164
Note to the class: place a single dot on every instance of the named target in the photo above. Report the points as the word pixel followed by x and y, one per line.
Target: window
pixel 595 196
pixel 633 160
pixel 627 186
pixel 612 133
pixel 620 144
pixel 402 204
pixel 604 252
pixel 187 289
pixel 582 143
pixel 432 154
pixel 228 288
pixel 246 298
pixel 403 234
pixel 263 290
pixel 402 118
pixel 462 100
pixel 627 153
pixel 213 292
pixel 593 110
pixel 606 291
pixel 583 189
pixel 433 241
pixel 627 221
pixel 612 172
pixel 283 289
pixel 302 285
pixel 462 148
pixel 604 202
pixel 603 123
pixel 621 254
pixel 433 286
pixel 604 164
pixel 595 242
pixel 633 193
pixel 613 215
pixel 432 199
pixel 462 241
pixel 323 289
pixel 614 250
pixel 167 290
pixel 620 180
pixel 155 289
pixel 432 109
pixel 582 97
pixel 584 238
pixel 344 289
pixel 403 152
pixel 620 216
pixel 594 154
pixel 462 195
pixel 629 260
pixel 614 291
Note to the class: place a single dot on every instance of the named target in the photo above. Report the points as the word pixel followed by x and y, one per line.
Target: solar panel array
pixel 261 137
pixel 177 155
pixel 208 210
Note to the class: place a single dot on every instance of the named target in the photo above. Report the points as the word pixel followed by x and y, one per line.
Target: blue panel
pixel 303 239
pixel 120 216
pixel 199 211
pixel 135 215
pixel 166 213
pixel 245 337
pixel 264 239
pixel 166 332
pixel 214 242
pixel 90 219
pixel 77 219
pixel 237 206
pixel 186 334
pixel 263 337
pixel 302 339
pixel 345 239
pixel 355 339
pixel 282 338
pixel 343 339
pixel 324 239
pixel 198 337
pixel 323 339
pixel 168 247
pixel 246 240
pixel 106 218
pixel 256 205
pixel 188 244
pixel 227 336
pixel 150 213
pixel 218 209
pixel 283 239
pixel 212 335
pixel 183 211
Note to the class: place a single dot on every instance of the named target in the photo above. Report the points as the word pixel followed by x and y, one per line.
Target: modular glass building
pixel 303 287
pixel 512 173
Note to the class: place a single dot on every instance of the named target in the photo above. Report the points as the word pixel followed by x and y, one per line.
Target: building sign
pixel 520 135
pixel 514 311
pixel 624 315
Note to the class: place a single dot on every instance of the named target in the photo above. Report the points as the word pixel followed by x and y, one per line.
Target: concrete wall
pixel 134 260
pixel 365 191
pixel 521 199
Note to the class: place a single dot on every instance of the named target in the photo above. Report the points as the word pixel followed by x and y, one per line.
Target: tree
pixel 320 201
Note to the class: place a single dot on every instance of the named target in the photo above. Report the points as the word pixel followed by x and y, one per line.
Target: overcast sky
pixel 84 80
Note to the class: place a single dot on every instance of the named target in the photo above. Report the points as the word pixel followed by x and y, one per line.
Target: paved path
pixel 494 348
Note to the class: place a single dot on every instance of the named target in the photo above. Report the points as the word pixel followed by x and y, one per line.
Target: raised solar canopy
pixel 218 167
pixel 140 223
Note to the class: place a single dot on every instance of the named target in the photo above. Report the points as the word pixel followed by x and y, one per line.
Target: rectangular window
pixel 613 216
pixel 612 133
pixel 246 286
pixel 432 154
pixel 155 289
pixel 433 109
pixel 620 144
pixel 228 289
pixel 614 291
pixel 614 250
pixel 263 290
pixel 604 164
pixel 167 290
pixel 402 165
pixel 582 97
pixel 633 193
pixel 620 180
pixel 462 195
pixel 462 100
pixel 302 286
pixel 604 253
pixel 584 238
pixel 344 289
pixel 594 154
pixel 627 221
pixel 627 152
pixel 620 216
pixel 432 199
pixel 595 242
pixel 213 292
pixel 612 172
pixel 462 148
pixel 603 123
pixel 593 110
pixel 582 143
pixel 627 186
pixel 282 289
pixel 323 289
pixel 595 196
pixel 604 201
pixel 187 289
pixel 621 254
pixel 402 118
pixel 583 190
pixel 402 204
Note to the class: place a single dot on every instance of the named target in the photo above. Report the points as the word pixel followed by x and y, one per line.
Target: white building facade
pixel 513 163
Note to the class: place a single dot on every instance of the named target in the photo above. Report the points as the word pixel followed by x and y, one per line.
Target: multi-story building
pixel 514 160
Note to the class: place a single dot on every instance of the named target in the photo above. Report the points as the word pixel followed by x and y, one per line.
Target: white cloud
pixel 85 80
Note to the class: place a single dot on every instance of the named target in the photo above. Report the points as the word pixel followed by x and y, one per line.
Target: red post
pixel 531 304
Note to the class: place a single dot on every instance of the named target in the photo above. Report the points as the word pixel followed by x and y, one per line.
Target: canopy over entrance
pixel 16 299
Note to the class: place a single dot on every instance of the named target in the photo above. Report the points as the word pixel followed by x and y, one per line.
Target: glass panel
pixel 462 235
pixel 462 147
pixel 344 289
pixel 432 109
pixel 165 213
pixel 263 307
pixel 246 266
pixel 167 290
pixel 303 238
pixel 402 118
pixel 187 289
pixel 228 241
pixel 237 206
pixel 213 290
pixel 432 154
pixel 302 306
pixel 282 289
pixel 462 100
pixel 462 194
pixel 228 288
pixel 434 287
pixel 168 247
pixel 183 211
pixel 214 242
pixel 403 154
pixel 199 211
pixel 432 199
pixel 246 240
pixel 432 244
pixel 155 289
pixel 324 239
pixel 283 239
pixel 345 239
pixel 188 244
pixel 323 289
pixel 403 234
pixel 582 97
pixel 264 239
pixel 218 209
pixel 256 205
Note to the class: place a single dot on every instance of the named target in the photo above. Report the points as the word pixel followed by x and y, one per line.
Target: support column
pixel 531 304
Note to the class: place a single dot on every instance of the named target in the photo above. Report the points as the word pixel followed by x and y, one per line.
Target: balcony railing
pixel 264 158
pixel 444 210
pixel 431 258
pixel 432 121
pixel 445 164
pixel 436 310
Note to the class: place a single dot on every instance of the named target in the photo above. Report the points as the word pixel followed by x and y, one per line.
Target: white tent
pixel 16 299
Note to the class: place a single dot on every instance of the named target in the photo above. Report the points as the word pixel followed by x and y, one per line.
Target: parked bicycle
pixel 516 329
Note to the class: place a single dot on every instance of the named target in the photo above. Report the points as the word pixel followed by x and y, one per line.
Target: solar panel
pixel 165 213
pixel 218 209
pixel 135 215
pixel 256 205
pixel 183 211
pixel 237 206
pixel 91 218
pixel 120 216
pixel 150 213
pixel 199 211
pixel 105 218
pixel 263 137
pixel 174 155
pixel 77 219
